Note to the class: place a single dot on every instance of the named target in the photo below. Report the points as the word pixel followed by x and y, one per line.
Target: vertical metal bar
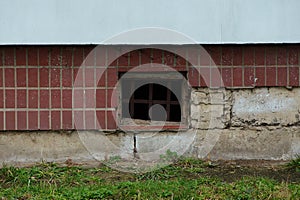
pixel 168 100
pixel 131 100
pixel 150 97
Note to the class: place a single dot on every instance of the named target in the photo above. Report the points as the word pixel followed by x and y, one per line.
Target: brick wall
pixel 36 82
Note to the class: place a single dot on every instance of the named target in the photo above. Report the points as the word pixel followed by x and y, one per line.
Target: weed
pixel 295 164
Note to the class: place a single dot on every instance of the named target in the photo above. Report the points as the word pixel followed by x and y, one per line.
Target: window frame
pixel 144 124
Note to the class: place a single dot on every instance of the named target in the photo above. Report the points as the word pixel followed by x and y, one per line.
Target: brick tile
pixel 145 56
pixel 180 61
pixel 100 123
pixel 215 77
pixel 169 58
pixel 78 98
pixel 260 76
pixel 248 55
pixel 100 98
pixel 67 99
pixel 281 76
pixel 237 52
pixel 111 122
pixel 78 77
pixel 249 76
pixel 123 60
pixel 55 99
pixel 44 120
pixel 20 56
pixel 134 58
pixel 21 120
pixel 44 77
pixel 55 120
pixel 100 56
pixel 89 74
pixel 1 75
pixel 193 76
pixel 89 98
pixel 157 56
pixel 33 98
pixel 181 52
pixel 112 56
pixel 112 77
pixel 204 57
pixel 1 56
pixel 67 120
pixel 100 77
pixel 260 55
pixel 21 77
pixel 215 54
pixel 67 53
pixel 282 56
pixel 271 76
pixel 227 77
pixel 44 98
pixel 67 77
pixel 227 56
pixel 78 56
pixel 44 56
pixel 293 56
pixel 32 77
pixel 32 56
pixel 78 120
pixel 55 77
pixel 193 56
pixel 32 120
pixel 271 56
pixel 1 99
pixel 204 76
pixel 21 99
pixel 1 121
pixel 89 58
pixel 9 56
pixel 55 56
pixel 10 98
pixel 89 120
pixel 237 74
pixel 10 120
pixel 9 74
pixel 112 98
pixel 293 76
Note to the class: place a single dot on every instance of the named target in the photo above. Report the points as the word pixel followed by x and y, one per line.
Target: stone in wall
pixel 210 108
pixel 266 107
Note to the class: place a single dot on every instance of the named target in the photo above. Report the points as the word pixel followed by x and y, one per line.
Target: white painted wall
pixel 93 21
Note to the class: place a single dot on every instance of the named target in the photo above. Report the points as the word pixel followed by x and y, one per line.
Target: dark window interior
pixel 150 94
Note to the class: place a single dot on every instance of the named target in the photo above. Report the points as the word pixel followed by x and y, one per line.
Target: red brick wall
pixel 36 81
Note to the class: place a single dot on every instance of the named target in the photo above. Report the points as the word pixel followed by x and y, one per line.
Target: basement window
pixel 143 93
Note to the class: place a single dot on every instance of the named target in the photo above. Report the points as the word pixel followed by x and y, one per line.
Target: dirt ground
pixel 228 171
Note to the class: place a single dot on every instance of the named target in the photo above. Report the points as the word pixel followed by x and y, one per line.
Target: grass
pixel 185 179
pixel 295 164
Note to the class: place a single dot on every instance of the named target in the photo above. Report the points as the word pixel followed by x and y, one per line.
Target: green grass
pixel 295 164
pixel 182 180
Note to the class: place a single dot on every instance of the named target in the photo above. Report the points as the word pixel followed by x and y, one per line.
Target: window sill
pixel 145 125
